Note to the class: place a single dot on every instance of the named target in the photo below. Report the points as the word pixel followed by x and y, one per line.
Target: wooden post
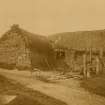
pixel 85 65
pixel 90 64
pixel 101 60
pixel 31 68
pixel 88 73
pixel 90 55
pixel 101 53
pixel 72 60
pixel 97 65
pixel 46 61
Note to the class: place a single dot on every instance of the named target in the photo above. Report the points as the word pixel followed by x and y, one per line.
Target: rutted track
pixel 70 95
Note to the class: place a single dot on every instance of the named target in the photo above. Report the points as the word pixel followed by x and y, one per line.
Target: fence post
pixel 97 65
pixel 85 65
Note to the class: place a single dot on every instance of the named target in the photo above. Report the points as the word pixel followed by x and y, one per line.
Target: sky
pixel 47 17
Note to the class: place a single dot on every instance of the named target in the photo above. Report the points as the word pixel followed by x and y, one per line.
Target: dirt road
pixel 72 95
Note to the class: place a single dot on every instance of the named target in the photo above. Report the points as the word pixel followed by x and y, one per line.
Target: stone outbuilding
pixel 21 49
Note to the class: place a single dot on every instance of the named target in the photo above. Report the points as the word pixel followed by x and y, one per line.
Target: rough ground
pixel 14 93
pixel 68 91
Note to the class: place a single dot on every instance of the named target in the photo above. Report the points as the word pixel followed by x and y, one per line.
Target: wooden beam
pixel 88 73
pixel 97 65
pixel 101 60
pixel 85 65
pixel 101 53
pixel 90 55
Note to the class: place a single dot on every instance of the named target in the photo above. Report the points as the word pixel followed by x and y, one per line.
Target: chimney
pixel 15 28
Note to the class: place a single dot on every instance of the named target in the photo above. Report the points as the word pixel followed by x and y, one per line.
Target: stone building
pixel 21 49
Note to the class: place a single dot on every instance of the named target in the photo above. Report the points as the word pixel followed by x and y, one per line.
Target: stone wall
pixel 14 52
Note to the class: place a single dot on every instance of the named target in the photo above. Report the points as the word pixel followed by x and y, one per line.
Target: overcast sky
pixel 52 16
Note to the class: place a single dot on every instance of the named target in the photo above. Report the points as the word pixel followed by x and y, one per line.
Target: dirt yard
pixel 66 90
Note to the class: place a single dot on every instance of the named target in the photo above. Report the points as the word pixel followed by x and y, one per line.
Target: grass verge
pixel 95 85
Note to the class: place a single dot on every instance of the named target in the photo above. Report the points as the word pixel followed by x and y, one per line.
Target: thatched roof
pixel 34 41
pixel 81 39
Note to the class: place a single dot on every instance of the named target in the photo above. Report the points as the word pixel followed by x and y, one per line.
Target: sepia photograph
pixel 52 52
